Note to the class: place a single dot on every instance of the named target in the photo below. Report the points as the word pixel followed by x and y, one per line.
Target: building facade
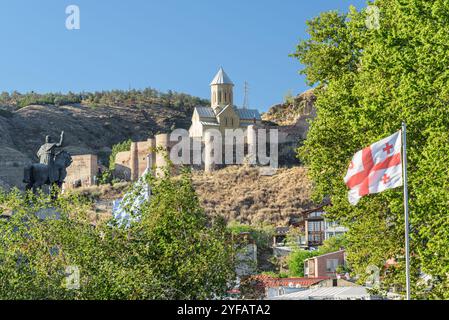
pixel 324 265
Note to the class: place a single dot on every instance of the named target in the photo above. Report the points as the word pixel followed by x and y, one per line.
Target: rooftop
pixel 328 293
pixel 267 281
pixel 221 78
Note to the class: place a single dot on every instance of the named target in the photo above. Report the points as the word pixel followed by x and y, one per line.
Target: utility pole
pixel 246 96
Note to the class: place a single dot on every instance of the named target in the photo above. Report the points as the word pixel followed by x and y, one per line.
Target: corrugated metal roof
pixel 221 78
pixel 327 293
pixel 244 114
pixel 205 123
pixel 249 114
pixel 223 109
pixel 205 112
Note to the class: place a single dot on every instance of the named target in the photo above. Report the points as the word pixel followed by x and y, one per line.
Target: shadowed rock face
pixel 88 130
pixel 12 163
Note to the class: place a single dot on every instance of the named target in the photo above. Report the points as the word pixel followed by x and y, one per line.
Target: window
pixel 331 265
pixel 219 96
pixel 315 226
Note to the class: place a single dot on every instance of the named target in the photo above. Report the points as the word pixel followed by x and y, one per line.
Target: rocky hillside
pixel 87 129
pixel 293 112
pixel 242 194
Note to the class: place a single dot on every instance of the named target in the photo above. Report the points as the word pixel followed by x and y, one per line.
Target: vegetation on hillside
pixel 241 194
pixel 296 259
pixel 369 81
pixel 172 252
pixel 128 98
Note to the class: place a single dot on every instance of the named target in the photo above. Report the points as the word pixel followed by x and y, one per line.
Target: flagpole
pixel 407 239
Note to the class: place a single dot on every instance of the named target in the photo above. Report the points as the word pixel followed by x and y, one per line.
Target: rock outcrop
pixel 293 113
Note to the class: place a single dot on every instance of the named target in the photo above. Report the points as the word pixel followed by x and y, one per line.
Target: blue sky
pixel 164 44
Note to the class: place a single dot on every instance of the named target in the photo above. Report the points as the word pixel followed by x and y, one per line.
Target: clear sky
pixel 163 44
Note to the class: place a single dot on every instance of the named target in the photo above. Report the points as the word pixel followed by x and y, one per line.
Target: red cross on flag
pixel 375 168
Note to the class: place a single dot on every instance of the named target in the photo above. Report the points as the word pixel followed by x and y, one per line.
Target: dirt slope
pixel 241 194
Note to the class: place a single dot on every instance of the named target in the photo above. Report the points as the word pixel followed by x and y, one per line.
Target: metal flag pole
pixel 407 239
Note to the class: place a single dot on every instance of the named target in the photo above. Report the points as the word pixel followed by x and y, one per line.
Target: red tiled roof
pixel 267 281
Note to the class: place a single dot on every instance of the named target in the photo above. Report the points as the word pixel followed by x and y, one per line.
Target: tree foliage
pixel 296 259
pixel 119 147
pixel 172 252
pixel 368 81
pixel 128 98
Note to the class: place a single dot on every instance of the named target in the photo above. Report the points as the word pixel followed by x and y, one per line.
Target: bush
pixel 119 147
pixel 130 98
pixel 173 252
pixel 296 261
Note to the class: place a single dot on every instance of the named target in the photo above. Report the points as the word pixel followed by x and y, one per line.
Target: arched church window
pixel 219 96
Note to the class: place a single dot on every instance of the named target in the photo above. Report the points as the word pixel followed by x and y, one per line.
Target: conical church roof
pixel 221 78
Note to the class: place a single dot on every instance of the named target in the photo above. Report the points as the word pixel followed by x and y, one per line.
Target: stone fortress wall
pixel 82 171
pixel 130 165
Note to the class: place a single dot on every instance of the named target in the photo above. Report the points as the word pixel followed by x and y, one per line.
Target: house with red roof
pixel 269 287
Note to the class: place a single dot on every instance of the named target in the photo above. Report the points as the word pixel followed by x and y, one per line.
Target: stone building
pixel 324 265
pixel 222 114
pixel 130 165
pixel 82 172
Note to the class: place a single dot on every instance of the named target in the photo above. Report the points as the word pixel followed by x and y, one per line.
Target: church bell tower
pixel 221 90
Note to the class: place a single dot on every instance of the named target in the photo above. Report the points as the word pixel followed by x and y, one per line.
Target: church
pixel 222 114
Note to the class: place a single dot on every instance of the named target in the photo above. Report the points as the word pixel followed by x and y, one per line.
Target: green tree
pixel 173 251
pixel 296 260
pixel 119 147
pixel 368 81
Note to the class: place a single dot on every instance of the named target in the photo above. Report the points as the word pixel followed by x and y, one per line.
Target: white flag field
pixel 375 168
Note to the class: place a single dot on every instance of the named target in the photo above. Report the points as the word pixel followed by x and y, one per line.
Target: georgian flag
pixel 375 168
